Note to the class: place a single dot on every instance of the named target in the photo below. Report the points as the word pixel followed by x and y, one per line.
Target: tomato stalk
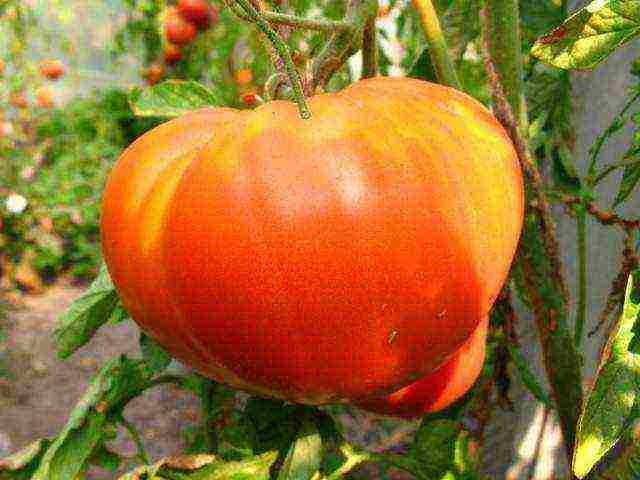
pixel 538 257
pixel 342 45
pixel 369 49
pixel 438 49
pixel 283 54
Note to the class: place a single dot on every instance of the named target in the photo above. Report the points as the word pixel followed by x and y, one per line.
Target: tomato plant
pixel 320 209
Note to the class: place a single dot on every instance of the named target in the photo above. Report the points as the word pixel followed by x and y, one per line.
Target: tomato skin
pixel 52 69
pixel 440 388
pixel 198 12
pixel 178 30
pixel 45 97
pixel 334 259
pixel 154 73
pixel 172 54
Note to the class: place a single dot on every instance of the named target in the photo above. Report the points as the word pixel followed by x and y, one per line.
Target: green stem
pixel 369 49
pixel 582 274
pixel 320 25
pixel 343 44
pixel 135 435
pixel 503 40
pixel 602 139
pixel 612 168
pixel 538 264
pixel 438 49
pixel 283 52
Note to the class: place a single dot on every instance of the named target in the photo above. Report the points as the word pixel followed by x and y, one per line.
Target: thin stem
pixel 538 262
pixel 582 274
pixel 602 139
pixel 284 54
pixel 438 49
pixel 369 49
pixel 502 37
pixel 135 436
pixel 354 457
pixel 612 168
pixel 320 25
pixel 342 45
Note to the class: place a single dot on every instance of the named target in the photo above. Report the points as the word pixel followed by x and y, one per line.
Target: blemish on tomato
pixel 392 336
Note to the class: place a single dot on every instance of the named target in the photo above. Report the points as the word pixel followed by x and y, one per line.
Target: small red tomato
pixel 244 76
pixel 44 97
pixel 154 73
pixel 172 54
pixel 178 30
pixel 198 12
pixel 51 69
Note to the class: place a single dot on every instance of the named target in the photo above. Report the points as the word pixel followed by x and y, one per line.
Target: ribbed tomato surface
pixel 337 258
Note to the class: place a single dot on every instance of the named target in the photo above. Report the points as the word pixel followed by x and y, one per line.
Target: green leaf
pixel 82 436
pixel 609 407
pixel 22 464
pixel 86 315
pixel 305 454
pixel 440 449
pixel 423 67
pixel 105 458
pixel 527 377
pixel 254 468
pixel 565 175
pixel 590 34
pixel 629 181
pixel 171 99
pixel 156 357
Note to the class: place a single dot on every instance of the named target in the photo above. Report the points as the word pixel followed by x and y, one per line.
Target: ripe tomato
pixel 2 66
pixel 172 54
pixel 339 258
pixel 244 76
pixel 18 100
pixel 440 388
pixel 51 69
pixel 198 12
pixel 44 97
pixel 178 30
pixel 154 73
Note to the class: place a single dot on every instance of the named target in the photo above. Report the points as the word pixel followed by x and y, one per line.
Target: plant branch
pixel 613 167
pixel 501 37
pixel 343 44
pixel 369 49
pixel 317 24
pixel 538 259
pixel 602 216
pixel 445 70
pixel 582 275
pixel 602 139
pixel 630 261
pixel 135 436
pixel 283 53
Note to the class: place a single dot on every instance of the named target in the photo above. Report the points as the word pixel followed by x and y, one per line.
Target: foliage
pixel 54 162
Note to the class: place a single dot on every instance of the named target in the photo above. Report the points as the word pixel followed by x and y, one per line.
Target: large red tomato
pixel 324 260
pixel 440 388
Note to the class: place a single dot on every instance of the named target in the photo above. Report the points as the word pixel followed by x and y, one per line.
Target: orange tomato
pixel 339 258
pixel 440 388
pixel 51 69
